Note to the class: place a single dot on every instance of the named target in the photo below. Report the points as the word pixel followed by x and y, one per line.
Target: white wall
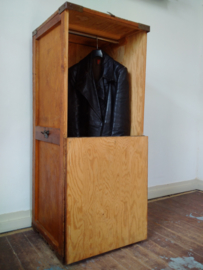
pixel 200 106
pixel 173 89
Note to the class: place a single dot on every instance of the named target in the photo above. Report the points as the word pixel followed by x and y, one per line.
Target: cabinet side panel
pixel 49 81
pixel 107 194
pixel 49 212
pixel 132 54
pixel 50 114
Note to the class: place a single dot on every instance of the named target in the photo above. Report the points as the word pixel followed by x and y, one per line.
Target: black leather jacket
pixel 85 117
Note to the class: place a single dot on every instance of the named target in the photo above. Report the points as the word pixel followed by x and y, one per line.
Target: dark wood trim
pixel 48 26
pixel 56 18
pixel 63 121
pixel 35 119
pixel 65 140
pixel 144 27
pixel 54 135
pixel 45 22
pixel 121 21
pixel 70 6
pixel 48 238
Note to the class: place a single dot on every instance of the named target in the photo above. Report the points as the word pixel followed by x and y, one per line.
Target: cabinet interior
pixel 130 52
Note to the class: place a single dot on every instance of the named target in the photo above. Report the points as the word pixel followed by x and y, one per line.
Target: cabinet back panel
pixel 49 78
pixel 77 52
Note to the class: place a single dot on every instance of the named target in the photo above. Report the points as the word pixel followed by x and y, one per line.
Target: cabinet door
pixel 50 75
pixel 107 194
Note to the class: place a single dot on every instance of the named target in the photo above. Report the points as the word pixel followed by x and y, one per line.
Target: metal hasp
pixel 112 15
pixel 46 133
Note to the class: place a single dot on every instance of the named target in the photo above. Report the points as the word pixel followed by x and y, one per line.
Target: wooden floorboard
pixel 127 260
pixel 180 239
pixel 175 241
pixel 8 258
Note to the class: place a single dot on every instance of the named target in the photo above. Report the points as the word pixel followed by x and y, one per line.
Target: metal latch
pixel 46 133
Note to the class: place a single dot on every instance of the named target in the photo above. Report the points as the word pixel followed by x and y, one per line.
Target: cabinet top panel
pixel 93 22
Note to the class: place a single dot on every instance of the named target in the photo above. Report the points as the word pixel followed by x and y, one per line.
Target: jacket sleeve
pixel 121 116
pixel 73 105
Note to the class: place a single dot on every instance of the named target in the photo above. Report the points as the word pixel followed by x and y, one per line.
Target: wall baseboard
pixel 15 221
pixel 23 219
pixel 174 188
pixel 199 184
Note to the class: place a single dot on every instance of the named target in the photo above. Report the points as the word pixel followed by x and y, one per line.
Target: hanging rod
pixel 90 36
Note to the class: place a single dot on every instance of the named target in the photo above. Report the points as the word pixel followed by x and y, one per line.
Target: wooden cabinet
pixel 89 194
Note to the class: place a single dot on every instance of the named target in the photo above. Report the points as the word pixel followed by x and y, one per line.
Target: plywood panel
pixel 49 78
pixel 49 208
pixel 132 54
pixel 107 194
pixel 100 24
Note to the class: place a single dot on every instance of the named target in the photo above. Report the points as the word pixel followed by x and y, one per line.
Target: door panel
pixel 50 76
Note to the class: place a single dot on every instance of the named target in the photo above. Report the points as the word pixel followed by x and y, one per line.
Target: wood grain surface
pixel 63 128
pixel 95 22
pixel 77 52
pixel 100 24
pixel 49 80
pixel 107 194
pixel 49 192
pixel 48 25
pixel 8 260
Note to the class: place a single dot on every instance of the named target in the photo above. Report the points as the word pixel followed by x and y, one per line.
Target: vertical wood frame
pixel 64 115
pixel 44 148
pixel 35 117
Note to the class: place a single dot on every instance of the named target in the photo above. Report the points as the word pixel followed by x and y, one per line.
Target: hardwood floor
pixel 175 241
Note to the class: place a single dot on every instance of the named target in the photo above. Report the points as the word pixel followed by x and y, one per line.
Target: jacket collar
pixel 85 80
pixel 107 65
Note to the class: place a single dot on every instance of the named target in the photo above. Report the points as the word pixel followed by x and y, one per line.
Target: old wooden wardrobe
pixel 89 194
